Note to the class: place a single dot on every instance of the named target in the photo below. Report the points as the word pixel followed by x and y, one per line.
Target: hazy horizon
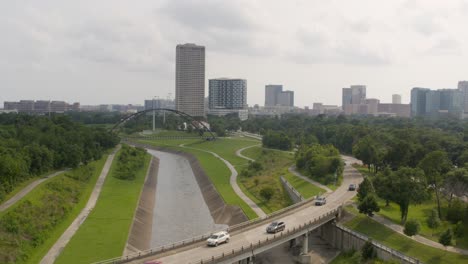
pixel 117 52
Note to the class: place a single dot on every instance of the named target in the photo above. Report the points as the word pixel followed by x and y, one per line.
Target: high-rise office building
pixel 396 99
pixel 227 94
pixel 463 87
pixel 271 94
pixel 346 97
pixel 190 79
pixel 285 98
pixel 358 94
pixel 433 103
pixel 353 98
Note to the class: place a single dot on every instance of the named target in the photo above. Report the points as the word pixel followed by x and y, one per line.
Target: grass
pixel 104 234
pixel 41 250
pixel 421 212
pixel 216 170
pixel 390 238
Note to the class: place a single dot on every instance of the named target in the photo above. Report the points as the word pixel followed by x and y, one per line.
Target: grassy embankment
pixel 31 226
pixel 420 212
pixel 390 238
pixel 104 233
pixel 274 164
pixel 216 170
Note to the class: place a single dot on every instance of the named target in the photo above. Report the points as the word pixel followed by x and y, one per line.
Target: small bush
pixel 446 238
pixel 412 227
pixel 433 220
pixel 267 193
pixel 459 229
pixel 368 251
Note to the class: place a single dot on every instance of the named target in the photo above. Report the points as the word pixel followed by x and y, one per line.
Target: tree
pixel 456 211
pixel 408 186
pixel 365 188
pixel 383 185
pixel 368 205
pixel 455 184
pixel 446 238
pixel 267 193
pixel 435 165
pixel 412 227
pixel 459 229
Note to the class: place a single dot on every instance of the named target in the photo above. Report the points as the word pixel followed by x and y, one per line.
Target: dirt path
pixel 233 182
pixel 55 250
pixel 27 190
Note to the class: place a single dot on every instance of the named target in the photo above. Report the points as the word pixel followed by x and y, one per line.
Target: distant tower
pixel 190 79
pixel 463 87
pixel 271 94
pixel 396 99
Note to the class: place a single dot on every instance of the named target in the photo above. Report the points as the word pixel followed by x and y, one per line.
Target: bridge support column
pixel 305 258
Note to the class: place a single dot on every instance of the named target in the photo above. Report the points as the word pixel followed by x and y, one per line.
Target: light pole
pixel 154 111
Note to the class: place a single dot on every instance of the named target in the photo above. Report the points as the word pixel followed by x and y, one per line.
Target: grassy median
pixel 104 233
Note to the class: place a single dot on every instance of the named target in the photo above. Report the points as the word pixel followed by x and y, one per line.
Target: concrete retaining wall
pixel 345 239
pixel 293 193
pixel 221 212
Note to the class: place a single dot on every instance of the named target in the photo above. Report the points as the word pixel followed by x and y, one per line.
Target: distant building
pixel 190 79
pixel 434 103
pixel 159 103
pixel 372 106
pixel 321 109
pixel 396 99
pixel 358 94
pixel 354 100
pixel 346 97
pixel 285 98
pixel 396 110
pixel 463 87
pixel 41 106
pixel 271 94
pixel 227 96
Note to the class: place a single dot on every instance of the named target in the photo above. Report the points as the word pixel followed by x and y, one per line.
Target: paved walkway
pixel 239 152
pixel 233 182
pixel 27 190
pixel 60 244
pixel 294 171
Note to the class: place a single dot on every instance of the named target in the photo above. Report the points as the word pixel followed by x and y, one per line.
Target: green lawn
pixel 388 237
pixel 104 234
pixel 421 212
pixel 40 251
pixel 216 170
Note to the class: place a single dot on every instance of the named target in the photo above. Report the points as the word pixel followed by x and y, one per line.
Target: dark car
pixel 275 227
pixel 352 187
pixel 320 200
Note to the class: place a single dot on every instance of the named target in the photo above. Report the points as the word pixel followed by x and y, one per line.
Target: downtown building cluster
pixel 40 106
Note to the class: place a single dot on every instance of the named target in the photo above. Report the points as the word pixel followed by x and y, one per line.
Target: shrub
pixel 368 205
pixel 367 251
pixel 267 193
pixel 459 229
pixel 446 238
pixel 456 211
pixel 433 220
pixel 412 227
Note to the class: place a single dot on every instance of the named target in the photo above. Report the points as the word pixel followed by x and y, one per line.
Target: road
pixel 55 250
pixel 335 199
pixel 27 190
pixel 233 182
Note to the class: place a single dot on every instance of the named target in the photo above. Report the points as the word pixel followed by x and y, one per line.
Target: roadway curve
pixel 293 219
pixel 233 182
pixel 27 190
pixel 55 250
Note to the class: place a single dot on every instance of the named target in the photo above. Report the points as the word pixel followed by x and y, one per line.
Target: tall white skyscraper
pixel 190 79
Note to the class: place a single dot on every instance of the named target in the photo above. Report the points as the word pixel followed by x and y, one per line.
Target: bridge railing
pixel 268 240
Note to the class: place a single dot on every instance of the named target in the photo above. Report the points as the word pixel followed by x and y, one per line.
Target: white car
pixel 218 238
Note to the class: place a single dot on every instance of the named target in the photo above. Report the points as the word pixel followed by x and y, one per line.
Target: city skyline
pixel 127 54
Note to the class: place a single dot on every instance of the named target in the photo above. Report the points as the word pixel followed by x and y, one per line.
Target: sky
pixel 122 52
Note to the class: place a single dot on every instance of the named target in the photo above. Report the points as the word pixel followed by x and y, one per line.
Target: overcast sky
pixel 115 51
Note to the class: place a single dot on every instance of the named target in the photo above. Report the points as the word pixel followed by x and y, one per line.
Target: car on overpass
pixel 218 238
pixel 275 227
pixel 352 187
pixel 320 200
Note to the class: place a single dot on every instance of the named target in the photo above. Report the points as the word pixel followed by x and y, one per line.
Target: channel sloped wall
pixel 221 212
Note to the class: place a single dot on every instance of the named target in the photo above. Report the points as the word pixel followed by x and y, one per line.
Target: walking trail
pixel 60 244
pixel 233 182
pixel 27 190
